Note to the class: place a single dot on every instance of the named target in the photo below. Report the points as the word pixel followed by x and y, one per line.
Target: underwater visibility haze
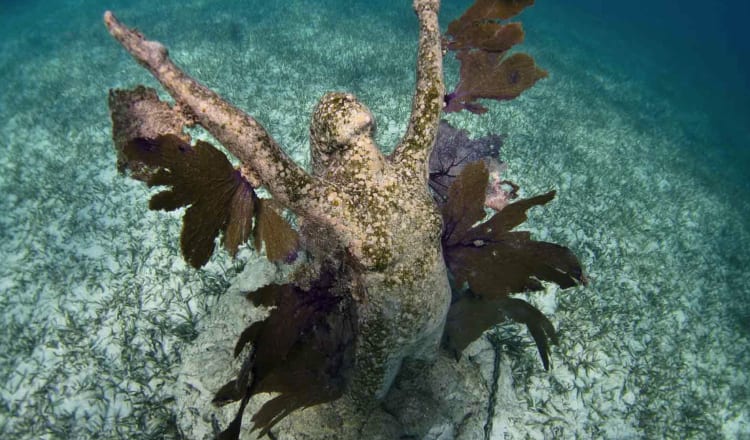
pixel 640 127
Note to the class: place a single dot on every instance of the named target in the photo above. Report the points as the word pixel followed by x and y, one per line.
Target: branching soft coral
pixel 152 147
pixel 304 350
pixel 224 204
pixel 489 261
pixel 372 289
pixel 482 43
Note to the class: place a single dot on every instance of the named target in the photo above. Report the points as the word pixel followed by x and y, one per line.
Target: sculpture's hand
pixel 430 5
pixel 427 104
pixel 242 135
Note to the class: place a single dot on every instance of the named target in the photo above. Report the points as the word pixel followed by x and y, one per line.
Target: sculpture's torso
pixel 388 223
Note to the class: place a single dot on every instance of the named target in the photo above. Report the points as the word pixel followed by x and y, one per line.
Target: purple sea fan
pixel 454 150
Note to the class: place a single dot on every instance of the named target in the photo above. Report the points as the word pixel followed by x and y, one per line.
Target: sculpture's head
pixel 339 122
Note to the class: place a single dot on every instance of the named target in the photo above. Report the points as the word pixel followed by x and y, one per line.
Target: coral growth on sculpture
pixel 392 260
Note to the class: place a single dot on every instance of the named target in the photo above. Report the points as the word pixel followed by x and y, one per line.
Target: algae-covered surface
pixel 641 127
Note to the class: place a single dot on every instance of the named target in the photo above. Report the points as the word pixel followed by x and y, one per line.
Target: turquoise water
pixel 642 128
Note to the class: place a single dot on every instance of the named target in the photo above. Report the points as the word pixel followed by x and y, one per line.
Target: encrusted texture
pixel 377 209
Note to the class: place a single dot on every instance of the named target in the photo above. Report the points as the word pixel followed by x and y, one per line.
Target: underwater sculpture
pixel 376 235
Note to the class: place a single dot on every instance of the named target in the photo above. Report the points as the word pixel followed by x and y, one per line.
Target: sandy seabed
pixel 96 304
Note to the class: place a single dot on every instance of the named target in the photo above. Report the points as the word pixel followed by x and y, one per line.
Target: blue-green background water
pixel 642 127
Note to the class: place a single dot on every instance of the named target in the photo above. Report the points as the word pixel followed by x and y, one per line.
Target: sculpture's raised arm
pixel 427 103
pixel 375 289
pixel 242 135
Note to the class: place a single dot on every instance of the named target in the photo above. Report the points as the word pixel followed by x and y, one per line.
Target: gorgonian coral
pixel 481 42
pixel 389 268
